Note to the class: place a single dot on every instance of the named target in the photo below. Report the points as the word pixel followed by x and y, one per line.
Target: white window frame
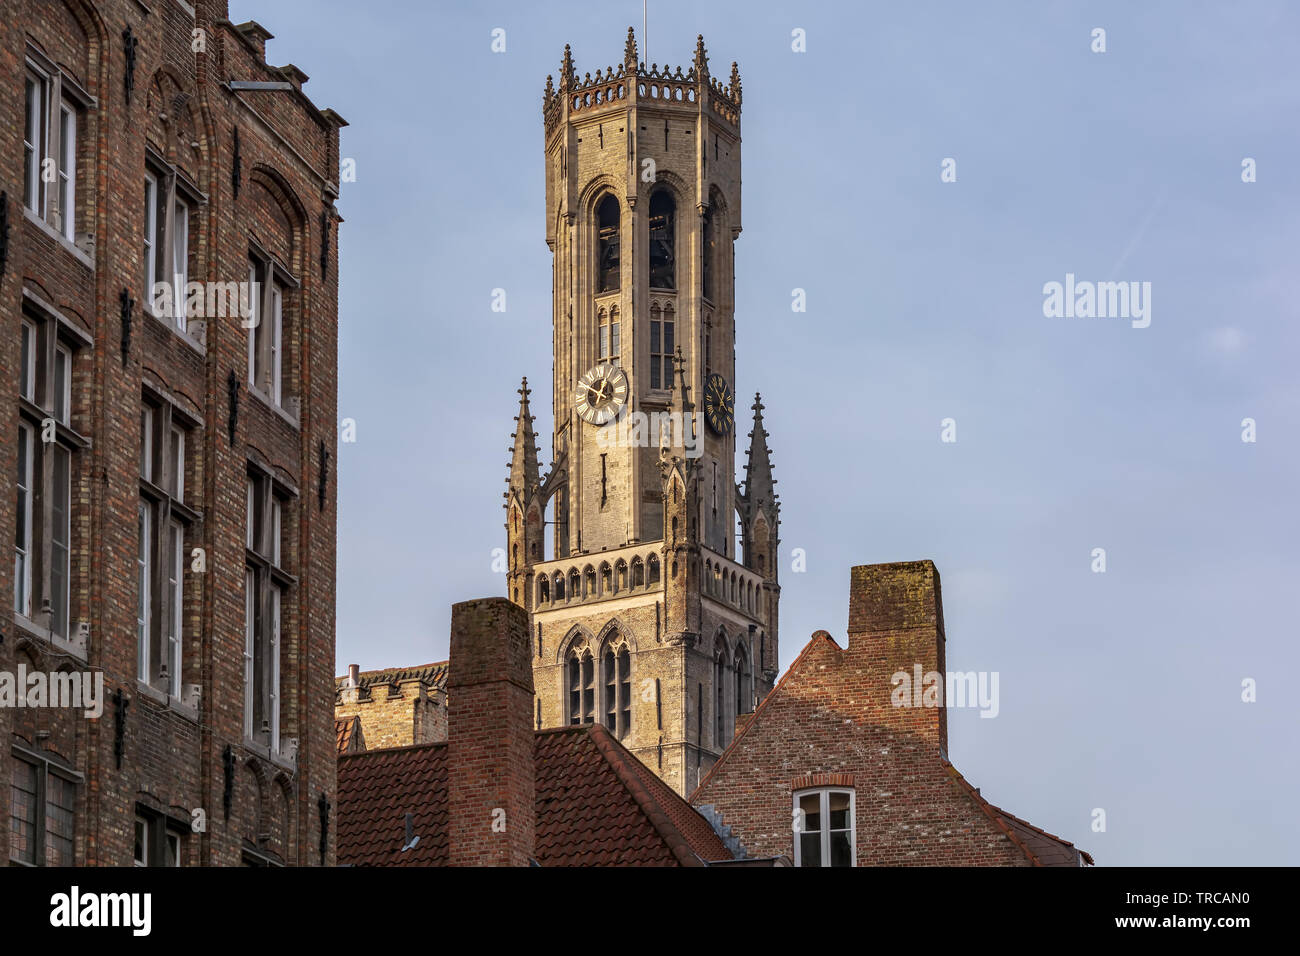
pixel 27 373
pixel 63 392
pixel 36 114
pixel 23 548
pixel 176 605
pixel 61 551
pixel 151 236
pixel 250 627
pixel 277 335
pixel 144 526
pixel 798 819
pixel 142 827
pixel 275 668
pixel 254 320
pixel 146 442
pixel 180 240
pixel 178 463
pixel 67 173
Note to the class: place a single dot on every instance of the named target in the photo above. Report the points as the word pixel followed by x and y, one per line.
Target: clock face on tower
pixel 601 394
pixel 719 405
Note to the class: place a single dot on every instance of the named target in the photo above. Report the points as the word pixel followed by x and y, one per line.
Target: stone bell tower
pixel 645 615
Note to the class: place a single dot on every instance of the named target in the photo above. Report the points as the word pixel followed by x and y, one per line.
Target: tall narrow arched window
pixel 742 680
pixel 710 252
pixel 616 680
pixel 582 687
pixel 663 259
pixel 607 275
pixel 624 691
pixel 720 694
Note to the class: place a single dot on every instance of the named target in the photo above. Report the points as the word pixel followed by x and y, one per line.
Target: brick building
pixel 397 707
pixel 831 770
pixel 646 615
pixel 168 297
pixel 498 792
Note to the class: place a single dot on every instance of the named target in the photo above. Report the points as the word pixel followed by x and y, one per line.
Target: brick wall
pixel 831 715
pixel 172 755
pixel 397 707
pixel 491 778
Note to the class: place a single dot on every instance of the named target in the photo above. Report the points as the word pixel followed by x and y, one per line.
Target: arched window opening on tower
pixel 582 687
pixel 720 693
pixel 742 681
pixel 607 245
pixel 710 251
pixel 663 261
pixel 617 667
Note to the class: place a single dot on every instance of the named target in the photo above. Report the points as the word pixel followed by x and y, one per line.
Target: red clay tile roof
pixel 348 733
pixel 597 805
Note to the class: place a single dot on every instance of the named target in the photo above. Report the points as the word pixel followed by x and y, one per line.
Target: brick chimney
pixel 896 624
pixel 490 774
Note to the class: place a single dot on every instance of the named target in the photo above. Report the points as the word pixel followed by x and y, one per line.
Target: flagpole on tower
pixel 645 37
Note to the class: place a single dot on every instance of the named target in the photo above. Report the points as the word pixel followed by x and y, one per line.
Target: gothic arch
pixel 593 192
pixel 667 179
pixel 615 632
pixel 175 121
pixel 579 636
pixel 291 208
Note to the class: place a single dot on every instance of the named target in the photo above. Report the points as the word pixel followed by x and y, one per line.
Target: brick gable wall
pixel 830 718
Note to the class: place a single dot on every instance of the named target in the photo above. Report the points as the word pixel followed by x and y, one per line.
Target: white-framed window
pixel 157 840
pixel 35 139
pixel 267 340
pixel 60 538
pixel 180 260
pixel 46 460
pixel 175 604
pixel 164 519
pixel 143 577
pixel 23 537
pixel 67 172
pixel 51 105
pixel 27 367
pixel 177 488
pixel 250 640
pixel 141 842
pixel 146 442
pixel 266 584
pixel 825 827
pixel 167 208
pixel 151 235
pixel 62 385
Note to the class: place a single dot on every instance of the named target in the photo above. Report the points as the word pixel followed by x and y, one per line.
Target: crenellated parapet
pixel 616 86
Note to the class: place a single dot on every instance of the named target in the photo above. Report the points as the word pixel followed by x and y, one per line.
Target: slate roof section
pixel 596 806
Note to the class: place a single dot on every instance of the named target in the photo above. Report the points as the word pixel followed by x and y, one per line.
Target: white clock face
pixel 601 394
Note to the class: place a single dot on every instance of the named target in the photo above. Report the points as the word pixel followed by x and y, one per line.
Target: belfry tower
pixel 646 616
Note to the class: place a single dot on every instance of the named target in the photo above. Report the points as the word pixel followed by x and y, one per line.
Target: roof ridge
pixel 674 838
pixel 753 718
pixel 388 750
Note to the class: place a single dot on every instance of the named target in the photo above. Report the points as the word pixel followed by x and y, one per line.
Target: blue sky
pixel 1119 691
